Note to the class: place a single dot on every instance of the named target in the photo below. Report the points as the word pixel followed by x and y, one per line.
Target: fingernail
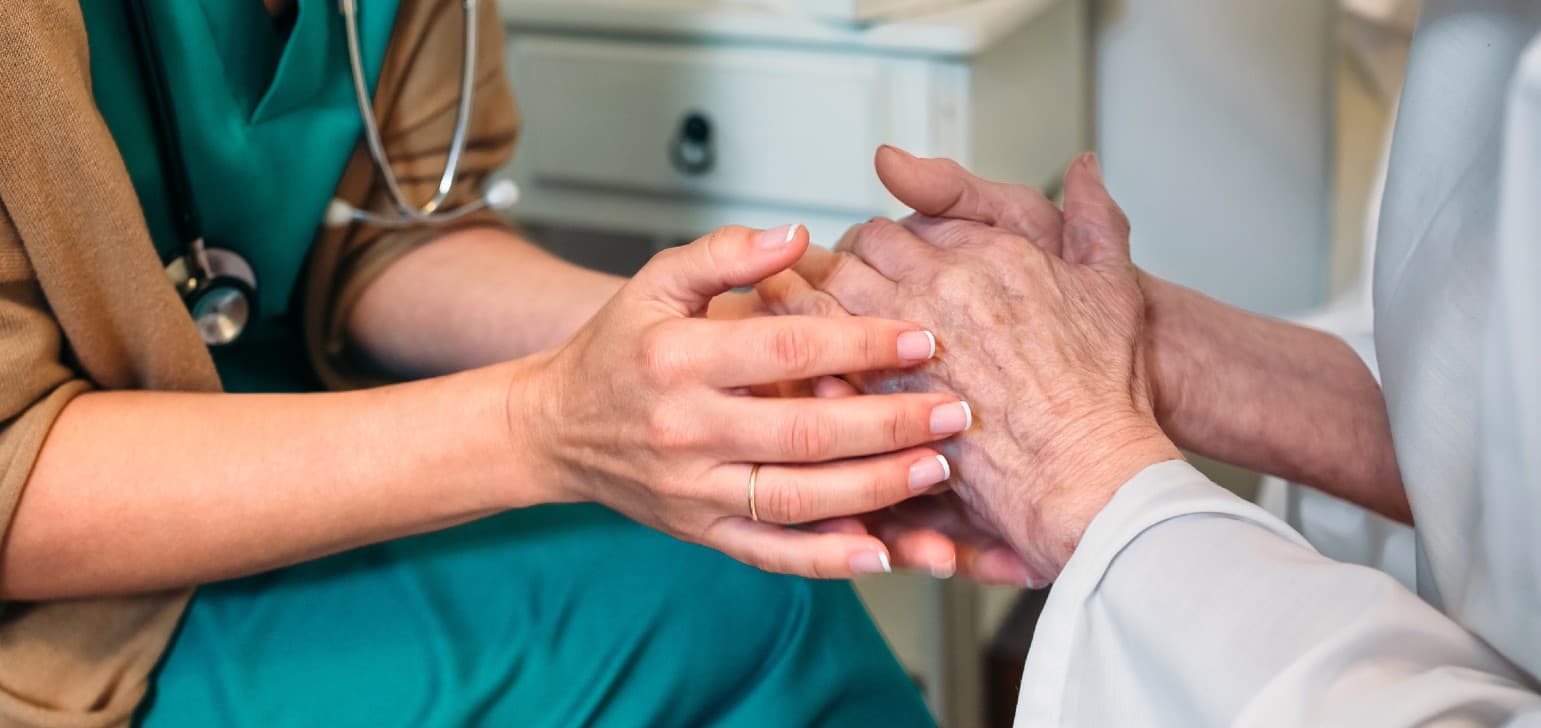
pixel 945 571
pixel 929 472
pixel 917 345
pixel 776 237
pixel 870 562
pixel 951 418
pixel 1093 166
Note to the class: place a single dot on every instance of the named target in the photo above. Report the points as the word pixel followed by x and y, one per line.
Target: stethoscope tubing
pixel 407 213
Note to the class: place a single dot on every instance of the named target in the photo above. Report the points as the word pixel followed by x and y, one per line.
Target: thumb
pixel 686 278
pixel 1096 229
pixel 943 188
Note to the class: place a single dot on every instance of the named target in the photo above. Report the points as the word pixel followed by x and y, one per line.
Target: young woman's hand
pixel 644 411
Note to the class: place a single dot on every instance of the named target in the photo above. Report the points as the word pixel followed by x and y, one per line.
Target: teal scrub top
pixel 418 631
pixel 266 121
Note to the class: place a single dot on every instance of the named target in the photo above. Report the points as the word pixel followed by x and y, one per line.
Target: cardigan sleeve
pixel 416 102
pixel 84 303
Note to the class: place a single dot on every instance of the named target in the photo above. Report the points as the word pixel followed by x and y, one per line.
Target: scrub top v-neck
pixel 266 121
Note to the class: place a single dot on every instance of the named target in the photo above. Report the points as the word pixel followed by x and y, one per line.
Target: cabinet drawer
pixel 779 127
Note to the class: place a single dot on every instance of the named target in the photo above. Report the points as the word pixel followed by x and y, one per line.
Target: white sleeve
pixel 1185 605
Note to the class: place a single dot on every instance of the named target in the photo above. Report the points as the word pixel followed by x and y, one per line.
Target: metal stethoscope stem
pixel 500 195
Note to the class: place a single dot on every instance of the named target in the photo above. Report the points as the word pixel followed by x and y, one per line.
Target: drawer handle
pixel 692 151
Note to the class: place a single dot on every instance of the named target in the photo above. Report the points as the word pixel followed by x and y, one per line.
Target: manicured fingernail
pixel 945 571
pixel 776 237
pixel 929 472
pixel 951 418
pixel 917 345
pixel 871 562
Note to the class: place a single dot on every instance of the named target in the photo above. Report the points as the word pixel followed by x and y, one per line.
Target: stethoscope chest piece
pixel 219 288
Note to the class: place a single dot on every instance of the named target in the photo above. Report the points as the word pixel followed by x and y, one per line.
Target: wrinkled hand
pixel 642 411
pixel 1040 336
pixel 936 532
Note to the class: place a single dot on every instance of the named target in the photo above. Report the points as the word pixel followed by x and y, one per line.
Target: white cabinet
pixel 667 119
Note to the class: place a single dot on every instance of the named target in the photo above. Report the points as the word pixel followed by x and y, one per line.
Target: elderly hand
pixel 1041 337
pixel 936 532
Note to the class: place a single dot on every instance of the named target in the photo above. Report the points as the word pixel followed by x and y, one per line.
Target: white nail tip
pixel 792 231
pixel 883 560
pixel 946 467
pixel 931 338
pixel 968 416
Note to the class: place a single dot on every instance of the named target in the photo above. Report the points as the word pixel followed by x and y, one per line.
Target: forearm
pixel 472 298
pixel 1271 396
pixel 139 491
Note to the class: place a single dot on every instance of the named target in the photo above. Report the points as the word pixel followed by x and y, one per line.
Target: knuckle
pixel 711 249
pixel 662 362
pixel 775 564
pixel 1026 193
pixel 955 284
pixel 792 349
pixel 807 438
pixel 955 229
pixel 874 487
pixel 821 569
pixel 822 304
pixel 667 432
pixel 952 167
pixel 870 235
pixel 871 347
pixel 896 427
pixel 1118 219
pixel 668 256
pixel 788 503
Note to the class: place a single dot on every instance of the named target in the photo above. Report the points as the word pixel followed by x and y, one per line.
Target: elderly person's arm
pixel 1177 603
pixel 1246 389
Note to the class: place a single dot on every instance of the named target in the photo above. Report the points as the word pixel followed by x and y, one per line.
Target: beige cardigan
pixel 84 302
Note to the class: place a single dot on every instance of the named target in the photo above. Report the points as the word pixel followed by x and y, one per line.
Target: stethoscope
pixel 219 286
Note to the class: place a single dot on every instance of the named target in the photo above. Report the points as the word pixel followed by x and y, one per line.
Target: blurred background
pixel 1245 139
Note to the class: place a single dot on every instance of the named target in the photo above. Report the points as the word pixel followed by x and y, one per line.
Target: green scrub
pixel 551 616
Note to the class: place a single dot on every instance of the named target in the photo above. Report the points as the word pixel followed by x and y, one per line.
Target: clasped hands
pixel 990 328
pixel 1040 318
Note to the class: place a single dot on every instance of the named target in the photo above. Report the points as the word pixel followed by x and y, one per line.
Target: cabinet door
pixel 777 127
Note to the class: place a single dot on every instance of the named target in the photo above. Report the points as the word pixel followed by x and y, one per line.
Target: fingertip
pixel 871 559
pixel 1083 180
pixel 829 387
pixel 887 153
pixel 849 526
pixel 922 184
pixel 1001 566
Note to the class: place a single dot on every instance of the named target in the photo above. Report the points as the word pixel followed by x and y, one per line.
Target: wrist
pixel 1087 467
pixel 1172 345
pixel 530 420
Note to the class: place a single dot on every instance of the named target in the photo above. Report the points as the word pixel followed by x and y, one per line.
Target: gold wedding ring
pixel 754 475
